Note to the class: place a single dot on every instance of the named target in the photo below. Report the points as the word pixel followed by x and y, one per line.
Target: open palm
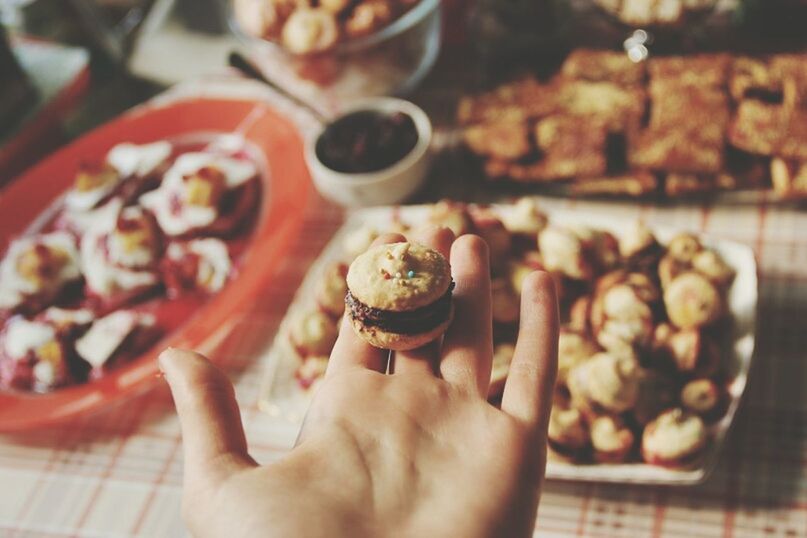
pixel 417 451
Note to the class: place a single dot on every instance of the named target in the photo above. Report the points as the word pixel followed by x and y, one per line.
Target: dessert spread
pixel 671 125
pixel 644 324
pixel 304 29
pixel 137 244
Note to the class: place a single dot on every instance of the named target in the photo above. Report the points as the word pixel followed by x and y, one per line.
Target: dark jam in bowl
pixel 366 141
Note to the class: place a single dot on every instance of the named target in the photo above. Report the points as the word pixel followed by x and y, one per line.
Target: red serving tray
pixel 284 195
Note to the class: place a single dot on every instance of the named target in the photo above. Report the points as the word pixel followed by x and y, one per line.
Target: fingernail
pixel 166 356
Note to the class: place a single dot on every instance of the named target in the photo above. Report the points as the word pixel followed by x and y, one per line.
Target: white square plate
pixel 283 398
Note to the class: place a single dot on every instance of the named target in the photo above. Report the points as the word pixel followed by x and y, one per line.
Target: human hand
pixel 419 452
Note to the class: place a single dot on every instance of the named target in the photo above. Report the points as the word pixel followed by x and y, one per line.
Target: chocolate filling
pixel 416 321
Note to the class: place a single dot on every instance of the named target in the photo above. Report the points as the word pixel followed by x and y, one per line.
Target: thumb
pixel 212 433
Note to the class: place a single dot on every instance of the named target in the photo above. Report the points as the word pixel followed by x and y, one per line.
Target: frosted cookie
pixel 399 295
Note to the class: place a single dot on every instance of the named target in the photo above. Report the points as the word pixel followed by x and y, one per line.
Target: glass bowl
pixel 392 61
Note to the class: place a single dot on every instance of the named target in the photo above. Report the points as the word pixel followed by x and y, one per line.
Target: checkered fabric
pixel 118 473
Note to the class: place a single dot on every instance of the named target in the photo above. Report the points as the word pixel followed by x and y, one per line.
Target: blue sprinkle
pixel 410 274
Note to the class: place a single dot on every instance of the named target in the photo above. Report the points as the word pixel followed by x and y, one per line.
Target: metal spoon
pixel 243 64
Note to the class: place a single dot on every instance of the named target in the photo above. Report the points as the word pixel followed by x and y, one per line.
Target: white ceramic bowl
pixel 391 185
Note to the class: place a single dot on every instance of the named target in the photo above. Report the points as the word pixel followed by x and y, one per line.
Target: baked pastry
pixel 674 439
pixel 564 251
pixel 359 240
pixel 603 66
pixel 568 435
pixel 502 357
pixel 505 304
pixel 711 265
pixel 611 439
pixel 574 348
pixel 451 215
pixel 399 295
pixel 702 396
pixel 604 384
pixel 331 290
pixel 313 333
pixel 639 247
pixel 621 317
pixel 692 301
pixel 525 218
pixel 507 140
pixel 311 371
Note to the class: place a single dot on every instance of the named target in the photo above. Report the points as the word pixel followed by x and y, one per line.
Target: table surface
pixel 119 473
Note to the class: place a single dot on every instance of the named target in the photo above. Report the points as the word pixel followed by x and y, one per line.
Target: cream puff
pixel 621 314
pixel 611 439
pixel 574 348
pixel 702 396
pixel 568 435
pixel 675 438
pixel 524 218
pixel 505 304
pixel 683 247
pixel 693 301
pixel 451 215
pixel 493 232
pixel 638 244
pixel 563 251
pixel 331 290
pixel 711 265
pixel 311 371
pixel 313 333
pixel 604 384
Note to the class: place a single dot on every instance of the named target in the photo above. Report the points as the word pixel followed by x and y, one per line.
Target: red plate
pixel 284 194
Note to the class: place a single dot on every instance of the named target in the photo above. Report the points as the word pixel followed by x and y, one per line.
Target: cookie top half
pixel 399 276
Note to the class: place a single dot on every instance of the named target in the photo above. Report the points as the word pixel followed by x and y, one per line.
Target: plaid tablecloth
pixel 119 473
